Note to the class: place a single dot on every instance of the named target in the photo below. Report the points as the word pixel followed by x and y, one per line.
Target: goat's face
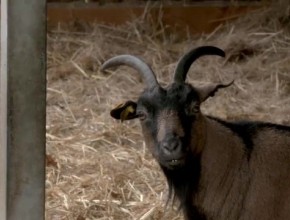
pixel 167 117
pixel 170 117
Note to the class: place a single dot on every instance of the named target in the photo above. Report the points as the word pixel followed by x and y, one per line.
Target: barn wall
pixel 196 18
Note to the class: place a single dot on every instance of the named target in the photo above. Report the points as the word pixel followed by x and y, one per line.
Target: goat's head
pixel 170 117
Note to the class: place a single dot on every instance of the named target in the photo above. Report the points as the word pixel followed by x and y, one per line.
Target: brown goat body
pixel 218 170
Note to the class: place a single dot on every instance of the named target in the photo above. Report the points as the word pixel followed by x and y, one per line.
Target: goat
pixel 217 169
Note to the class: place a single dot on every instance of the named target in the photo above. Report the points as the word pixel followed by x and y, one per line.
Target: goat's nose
pixel 171 145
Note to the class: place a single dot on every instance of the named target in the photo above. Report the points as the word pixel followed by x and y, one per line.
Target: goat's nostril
pixel 170 146
pixel 165 145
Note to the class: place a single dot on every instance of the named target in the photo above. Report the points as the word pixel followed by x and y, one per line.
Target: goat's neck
pixel 223 150
pixel 221 163
pixel 212 174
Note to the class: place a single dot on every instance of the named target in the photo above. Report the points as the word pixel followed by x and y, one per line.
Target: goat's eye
pixel 142 115
pixel 192 108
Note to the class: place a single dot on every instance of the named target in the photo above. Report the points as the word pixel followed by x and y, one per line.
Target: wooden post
pixel 22 109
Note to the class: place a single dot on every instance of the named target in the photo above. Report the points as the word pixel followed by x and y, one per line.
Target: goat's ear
pixel 125 111
pixel 209 90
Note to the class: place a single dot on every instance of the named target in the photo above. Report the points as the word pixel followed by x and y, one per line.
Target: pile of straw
pixel 98 168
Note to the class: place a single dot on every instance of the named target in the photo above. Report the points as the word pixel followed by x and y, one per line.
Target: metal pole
pixel 3 111
pixel 22 117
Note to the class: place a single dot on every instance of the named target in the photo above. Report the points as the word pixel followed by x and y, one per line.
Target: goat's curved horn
pixel 185 62
pixel 143 68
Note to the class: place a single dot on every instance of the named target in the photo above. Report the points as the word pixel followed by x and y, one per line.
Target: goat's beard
pixel 183 180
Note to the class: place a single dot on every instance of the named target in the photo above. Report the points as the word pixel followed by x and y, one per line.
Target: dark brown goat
pixel 217 169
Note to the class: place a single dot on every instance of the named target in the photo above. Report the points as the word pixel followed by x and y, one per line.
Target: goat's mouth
pixel 173 160
pixel 175 163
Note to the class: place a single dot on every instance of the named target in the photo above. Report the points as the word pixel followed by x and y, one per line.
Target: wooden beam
pixel 194 17
pixel 23 103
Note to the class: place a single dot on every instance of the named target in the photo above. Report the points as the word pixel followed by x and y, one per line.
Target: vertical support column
pixel 22 116
pixel 3 111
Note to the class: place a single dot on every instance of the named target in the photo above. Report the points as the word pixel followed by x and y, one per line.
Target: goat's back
pixel 245 171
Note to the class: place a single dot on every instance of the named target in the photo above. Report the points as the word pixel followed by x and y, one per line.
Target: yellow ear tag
pixel 126 112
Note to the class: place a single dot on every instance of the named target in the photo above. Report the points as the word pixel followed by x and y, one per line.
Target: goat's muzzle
pixel 172 154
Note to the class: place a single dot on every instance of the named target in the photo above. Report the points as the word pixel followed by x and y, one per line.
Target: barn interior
pixel 99 168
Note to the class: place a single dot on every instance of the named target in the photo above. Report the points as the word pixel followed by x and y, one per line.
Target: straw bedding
pixel 98 168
